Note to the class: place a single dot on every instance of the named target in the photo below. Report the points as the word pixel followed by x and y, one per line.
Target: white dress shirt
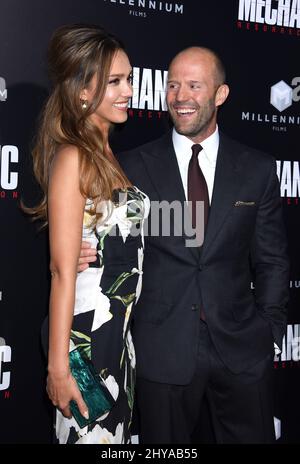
pixel 207 158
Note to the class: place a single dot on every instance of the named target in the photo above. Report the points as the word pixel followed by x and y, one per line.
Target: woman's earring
pixel 84 104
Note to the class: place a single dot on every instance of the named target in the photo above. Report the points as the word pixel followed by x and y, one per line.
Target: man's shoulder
pixel 148 147
pixel 239 149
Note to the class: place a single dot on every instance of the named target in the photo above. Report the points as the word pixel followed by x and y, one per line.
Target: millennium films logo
pixel 5 357
pixel 9 177
pixel 3 90
pixel 149 93
pixel 290 352
pixel 282 97
pixel 146 8
pixel 275 16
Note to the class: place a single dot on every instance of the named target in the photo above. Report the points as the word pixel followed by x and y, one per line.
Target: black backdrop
pixel 257 55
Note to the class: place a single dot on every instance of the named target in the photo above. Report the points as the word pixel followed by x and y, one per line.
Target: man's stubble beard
pixel 203 121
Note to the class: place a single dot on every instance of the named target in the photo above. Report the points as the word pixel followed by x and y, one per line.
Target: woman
pixel 86 194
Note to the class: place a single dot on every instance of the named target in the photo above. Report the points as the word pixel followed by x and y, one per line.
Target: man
pixel 198 328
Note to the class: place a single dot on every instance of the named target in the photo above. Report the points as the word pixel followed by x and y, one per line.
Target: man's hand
pixel 87 255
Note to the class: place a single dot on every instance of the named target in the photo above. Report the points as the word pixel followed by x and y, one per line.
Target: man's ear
pixel 221 95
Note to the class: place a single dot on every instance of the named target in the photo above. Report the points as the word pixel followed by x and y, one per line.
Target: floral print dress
pixel 105 297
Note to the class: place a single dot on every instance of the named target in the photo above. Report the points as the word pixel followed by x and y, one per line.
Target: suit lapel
pixel 163 170
pixel 227 182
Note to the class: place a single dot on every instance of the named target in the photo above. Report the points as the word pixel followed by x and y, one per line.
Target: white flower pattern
pixel 102 436
pixel 103 305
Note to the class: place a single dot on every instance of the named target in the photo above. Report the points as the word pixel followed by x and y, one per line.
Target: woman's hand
pixel 61 389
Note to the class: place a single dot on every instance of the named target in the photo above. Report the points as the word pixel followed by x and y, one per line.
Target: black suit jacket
pixel 241 239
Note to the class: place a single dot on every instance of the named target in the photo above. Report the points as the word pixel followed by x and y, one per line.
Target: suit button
pixel 195 307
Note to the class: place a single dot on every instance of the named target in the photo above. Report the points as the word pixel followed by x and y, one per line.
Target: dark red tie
pixel 197 187
pixel 197 191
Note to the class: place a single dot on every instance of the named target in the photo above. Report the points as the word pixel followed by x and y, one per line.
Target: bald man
pixel 199 329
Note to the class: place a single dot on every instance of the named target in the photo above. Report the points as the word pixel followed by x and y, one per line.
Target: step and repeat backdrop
pixel 259 42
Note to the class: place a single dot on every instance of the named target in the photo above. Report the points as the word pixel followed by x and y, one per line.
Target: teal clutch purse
pixel 94 391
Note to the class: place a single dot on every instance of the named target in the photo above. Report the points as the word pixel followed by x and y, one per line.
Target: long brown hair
pixel 77 53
